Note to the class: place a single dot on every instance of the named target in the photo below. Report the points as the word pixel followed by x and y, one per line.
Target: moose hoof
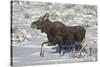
pixel 42 54
pixel 61 55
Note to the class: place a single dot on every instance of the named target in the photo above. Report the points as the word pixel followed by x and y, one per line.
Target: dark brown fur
pixel 58 33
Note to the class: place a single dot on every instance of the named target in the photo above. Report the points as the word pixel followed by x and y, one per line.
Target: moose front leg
pixel 60 45
pixel 61 50
pixel 42 51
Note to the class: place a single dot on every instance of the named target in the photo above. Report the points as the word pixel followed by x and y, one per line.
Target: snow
pixel 27 41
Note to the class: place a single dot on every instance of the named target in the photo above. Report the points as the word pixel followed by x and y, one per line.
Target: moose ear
pixel 40 18
pixel 46 16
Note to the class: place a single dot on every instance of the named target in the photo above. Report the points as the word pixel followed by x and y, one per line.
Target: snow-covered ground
pixel 26 41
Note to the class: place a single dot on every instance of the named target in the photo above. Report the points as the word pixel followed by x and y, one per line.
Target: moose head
pixel 40 22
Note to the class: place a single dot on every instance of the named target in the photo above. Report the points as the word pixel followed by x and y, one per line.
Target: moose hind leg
pixel 83 44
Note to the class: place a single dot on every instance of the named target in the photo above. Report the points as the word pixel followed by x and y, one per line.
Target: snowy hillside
pixel 26 41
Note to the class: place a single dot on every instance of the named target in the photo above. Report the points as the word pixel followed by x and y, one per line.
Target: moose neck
pixel 48 26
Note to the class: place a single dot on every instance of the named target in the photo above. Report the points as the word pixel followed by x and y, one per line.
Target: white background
pixel 5 33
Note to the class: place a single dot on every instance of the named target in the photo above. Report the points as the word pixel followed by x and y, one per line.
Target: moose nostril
pixel 33 25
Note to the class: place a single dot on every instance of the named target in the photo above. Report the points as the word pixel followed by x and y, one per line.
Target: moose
pixel 59 33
